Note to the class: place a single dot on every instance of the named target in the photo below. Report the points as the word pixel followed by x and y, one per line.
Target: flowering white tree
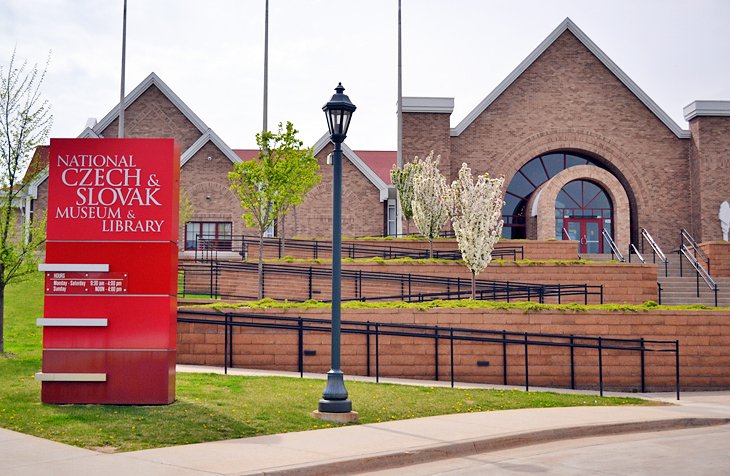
pixel 476 215
pixel 403 181
pixel 429 204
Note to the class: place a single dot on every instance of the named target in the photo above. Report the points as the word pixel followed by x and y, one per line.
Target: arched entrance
pixel 529 179
pixel 567 191
pixel 582 211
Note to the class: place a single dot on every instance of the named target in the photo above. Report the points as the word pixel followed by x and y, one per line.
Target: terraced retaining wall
pixel 704 339
pixel 622 283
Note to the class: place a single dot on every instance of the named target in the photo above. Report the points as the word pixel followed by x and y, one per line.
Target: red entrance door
pixel 587 231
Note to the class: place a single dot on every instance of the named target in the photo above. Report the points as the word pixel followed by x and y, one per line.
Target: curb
pixel 488 445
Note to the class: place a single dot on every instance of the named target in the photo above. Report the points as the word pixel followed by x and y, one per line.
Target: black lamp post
pixel 339 112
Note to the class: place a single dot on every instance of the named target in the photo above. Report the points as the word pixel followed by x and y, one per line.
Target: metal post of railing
pixel 300 335
pixel 715 295
pixel 659 291
pixel 451 344
pixel 601 293
pixel 367 347
pixel 508 294
pixel 316 249
pixel 226 319
pixel 679 256
pixel 585 296
pixel 676 362
pixel 527 368
pixel 377 352
pixel 279 253
pixel 666 268
pixel 230 343
pixel 409 285
pixel 643 368
pixel 600 365
pixel 436 352
pixel 698 281
pixel 572 362
pixel 559 294
pixel 211 280
pixel 504 357
pixel 310 282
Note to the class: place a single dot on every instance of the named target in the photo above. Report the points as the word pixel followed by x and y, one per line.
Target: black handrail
pixel 656 250
pixel 686 237
pixel 208 248
pixel 701 272
pixel 452 287
pixel 435 333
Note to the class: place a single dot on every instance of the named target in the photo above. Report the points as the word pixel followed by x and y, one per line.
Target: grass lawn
pixel 214 407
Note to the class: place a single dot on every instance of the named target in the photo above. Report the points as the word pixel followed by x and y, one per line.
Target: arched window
pixel 533 174
pixel 582 212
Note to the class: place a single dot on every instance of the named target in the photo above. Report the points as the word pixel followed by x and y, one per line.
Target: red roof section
pixel 247 154
pixel 37 163
pixel 379 161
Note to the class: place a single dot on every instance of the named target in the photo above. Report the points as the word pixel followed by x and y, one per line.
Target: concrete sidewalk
pixel 365 447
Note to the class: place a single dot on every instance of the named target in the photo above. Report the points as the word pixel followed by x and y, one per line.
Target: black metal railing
pixel 247 246
pixel 689 242
pixel 699 270
pixel 656 250
pixel 454 335
pixel 204 279
pixel 612 244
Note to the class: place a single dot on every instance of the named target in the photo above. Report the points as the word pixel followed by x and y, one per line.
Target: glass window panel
pixel 535 172
pixel 511 203
pixel 520 186
pixel 573 160
pixel 224 230
pixel 558 228
pixel 553 163
pixel 573 191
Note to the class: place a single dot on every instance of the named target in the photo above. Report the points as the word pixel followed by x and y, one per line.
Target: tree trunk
pixel 430 248
pixel 261 265
pixel 473 286
pixel 283 236
pixel 2 312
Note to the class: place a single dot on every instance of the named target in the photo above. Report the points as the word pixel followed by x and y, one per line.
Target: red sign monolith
pixel 109 325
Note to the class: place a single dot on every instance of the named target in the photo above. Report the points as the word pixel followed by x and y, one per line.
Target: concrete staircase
pixel 678 289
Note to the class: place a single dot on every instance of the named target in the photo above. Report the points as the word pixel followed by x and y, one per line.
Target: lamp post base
pixel 334 406
pixel 339 417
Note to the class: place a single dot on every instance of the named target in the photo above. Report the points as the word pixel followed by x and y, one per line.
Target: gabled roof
pixel 357 162
pixel 568 25
pixel 247 154
pixel 379 161
pixel 209 136
pixel 38 163
pixel 150 80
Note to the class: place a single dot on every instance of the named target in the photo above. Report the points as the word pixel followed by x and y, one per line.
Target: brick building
pixel 581 146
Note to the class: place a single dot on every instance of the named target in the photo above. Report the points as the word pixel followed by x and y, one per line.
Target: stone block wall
pixel 703 336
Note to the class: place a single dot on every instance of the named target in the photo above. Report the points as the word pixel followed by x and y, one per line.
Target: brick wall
pixel 153 115
pixel 704 339
pixel 719 254
pixel 711 161
pixel 622 283
pixel 568 100
pixel 362 210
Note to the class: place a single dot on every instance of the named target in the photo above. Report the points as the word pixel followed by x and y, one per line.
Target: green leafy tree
pixel 269 186
pixel 403 181
pixel 25 122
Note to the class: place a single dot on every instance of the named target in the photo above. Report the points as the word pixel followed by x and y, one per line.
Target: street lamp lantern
pixel 338 111
pixel 334 398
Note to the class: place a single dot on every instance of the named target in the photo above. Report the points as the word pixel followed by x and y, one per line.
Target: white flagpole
pixel 266 68
pixel 124 53
pixel 399 153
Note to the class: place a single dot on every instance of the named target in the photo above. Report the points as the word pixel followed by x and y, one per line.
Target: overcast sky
pixel 211 54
